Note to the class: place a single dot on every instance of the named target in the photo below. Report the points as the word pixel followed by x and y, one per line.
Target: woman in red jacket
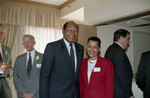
pixel 96 76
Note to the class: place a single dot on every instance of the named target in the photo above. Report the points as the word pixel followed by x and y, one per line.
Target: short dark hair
pixel 93 38
pixel 119 33
pixel 65 25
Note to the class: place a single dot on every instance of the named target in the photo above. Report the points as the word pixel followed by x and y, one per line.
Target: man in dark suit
pixel 122 68
pixel 27 70
pixel 61 65
pixel 5 59
pixel 143 74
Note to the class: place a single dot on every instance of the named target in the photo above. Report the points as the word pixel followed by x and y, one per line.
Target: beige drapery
pixel 16 16
pixel 30 15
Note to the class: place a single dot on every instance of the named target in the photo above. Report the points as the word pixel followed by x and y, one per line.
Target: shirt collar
pixel 32 52
pixel 66 42
pixel 119 45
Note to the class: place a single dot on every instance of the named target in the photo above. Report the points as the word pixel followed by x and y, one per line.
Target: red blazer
pixel 101 83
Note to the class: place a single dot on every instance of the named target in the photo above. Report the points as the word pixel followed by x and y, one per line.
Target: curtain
pixel 19 19
pixel 30 15
pixel 43 36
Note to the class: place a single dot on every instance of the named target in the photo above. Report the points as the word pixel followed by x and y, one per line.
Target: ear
pixel 99 49
pixel 63 31
pixel 34 42
pixel 121 39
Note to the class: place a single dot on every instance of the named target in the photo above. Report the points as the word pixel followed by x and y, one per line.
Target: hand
pixel 7 71
pixel 28 95
pixel 132 97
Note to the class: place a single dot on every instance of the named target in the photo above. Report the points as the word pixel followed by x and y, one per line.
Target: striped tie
pixel 29 67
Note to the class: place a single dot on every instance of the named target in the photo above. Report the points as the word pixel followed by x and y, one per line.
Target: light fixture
pixel 128 22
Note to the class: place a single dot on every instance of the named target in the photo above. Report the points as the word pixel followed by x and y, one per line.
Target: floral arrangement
pixel 37 58
pixel 5 52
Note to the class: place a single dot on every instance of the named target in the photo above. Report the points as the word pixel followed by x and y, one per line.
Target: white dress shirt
pixel 68 48
pixel 90 68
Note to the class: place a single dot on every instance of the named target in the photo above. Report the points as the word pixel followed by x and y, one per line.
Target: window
pixel 43 36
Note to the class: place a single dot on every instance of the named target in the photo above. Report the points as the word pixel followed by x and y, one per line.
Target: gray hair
pixel 29 36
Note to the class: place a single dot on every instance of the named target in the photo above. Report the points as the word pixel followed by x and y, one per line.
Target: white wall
pixel 72 7
pixel 139 42
pixel 105 33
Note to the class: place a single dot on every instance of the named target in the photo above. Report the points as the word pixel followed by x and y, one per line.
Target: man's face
pixel 126 41
pixel 71 32
pixel 2 34
pixel 28 43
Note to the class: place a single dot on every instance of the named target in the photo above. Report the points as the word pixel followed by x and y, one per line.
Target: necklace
pixel 92 61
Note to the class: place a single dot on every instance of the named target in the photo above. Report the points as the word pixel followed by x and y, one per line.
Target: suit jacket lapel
pixel 24 64
pixel 86 72
pixel 78 58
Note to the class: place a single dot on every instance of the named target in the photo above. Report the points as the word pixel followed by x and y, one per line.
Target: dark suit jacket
pixel 122 70
pixel 101 83
pixel 57 77
pixel 143 74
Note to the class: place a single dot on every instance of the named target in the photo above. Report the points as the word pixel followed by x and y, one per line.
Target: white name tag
pixel 1 71
pixel 38 65
pixel 97 69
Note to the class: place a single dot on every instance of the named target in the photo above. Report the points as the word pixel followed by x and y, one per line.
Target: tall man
pixel 143 74
pixel 27 70
pixel 5 58
pixel 61 65
pixel 122 67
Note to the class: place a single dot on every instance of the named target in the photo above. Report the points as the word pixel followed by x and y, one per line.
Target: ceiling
pixel 52 2
pixel 78 15
pixel 136 22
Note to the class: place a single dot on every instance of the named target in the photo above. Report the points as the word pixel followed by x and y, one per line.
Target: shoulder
pixel 104 60
pixel 114 50
pixel 55 43
pixel 106 63
pixel 79 46
pixel 85 60
pixel 115 46
pixel 146 53
pixel 21 56
pixel 38 53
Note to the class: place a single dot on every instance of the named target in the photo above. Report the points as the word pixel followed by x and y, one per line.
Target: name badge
pixel 97 69
pixel 38 65
pixel 1 71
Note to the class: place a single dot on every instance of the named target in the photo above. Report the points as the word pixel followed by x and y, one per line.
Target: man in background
pixel 61 65
pixel 122 67
pixel 27 70
pixel 5 68
pixel 143 74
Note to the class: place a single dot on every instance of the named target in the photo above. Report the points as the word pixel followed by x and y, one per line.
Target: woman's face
pixel 93 49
